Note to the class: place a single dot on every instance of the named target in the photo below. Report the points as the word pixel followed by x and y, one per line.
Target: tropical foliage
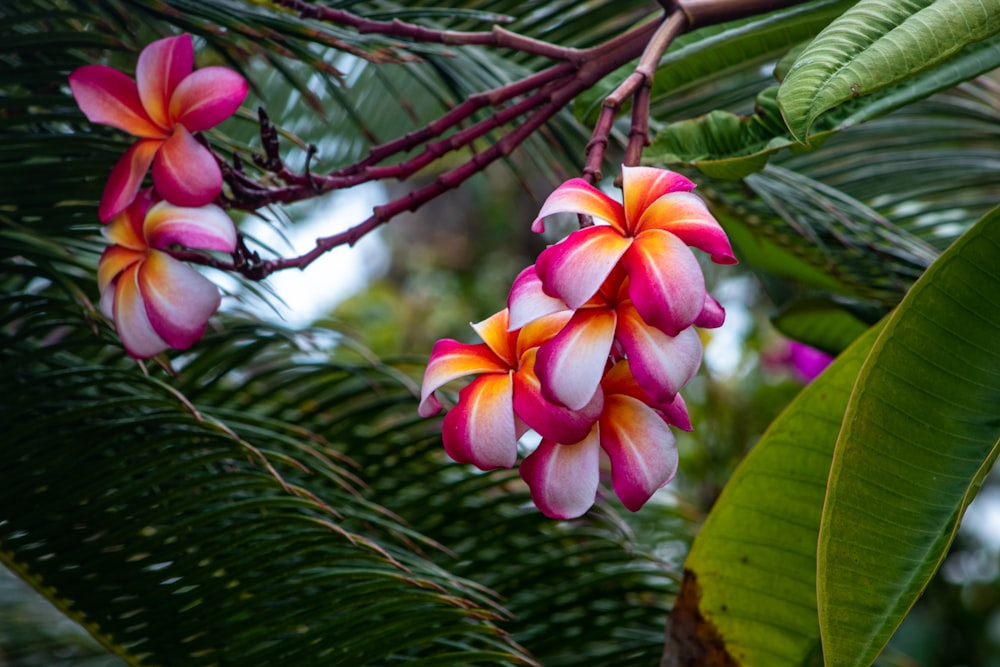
pixel 271 494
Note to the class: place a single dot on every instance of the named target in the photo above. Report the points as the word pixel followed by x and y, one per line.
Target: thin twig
pixel 497 37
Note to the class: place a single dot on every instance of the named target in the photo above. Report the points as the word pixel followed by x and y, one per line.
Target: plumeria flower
pixel 572 363
pixel 163 106
pixel 499 405
pixel 631 431
pixel 157 301
pixel 647 236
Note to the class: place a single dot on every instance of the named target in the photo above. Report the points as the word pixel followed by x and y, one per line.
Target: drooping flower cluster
pixel 593 348
pixel 156 301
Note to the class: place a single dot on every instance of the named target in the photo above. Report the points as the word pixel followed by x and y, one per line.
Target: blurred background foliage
pixel 599 592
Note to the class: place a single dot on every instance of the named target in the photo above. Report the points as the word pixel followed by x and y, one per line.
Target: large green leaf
pixel 749 592
pixel 715 53
pixel 728 145
pixel 920 433
pixel 878 44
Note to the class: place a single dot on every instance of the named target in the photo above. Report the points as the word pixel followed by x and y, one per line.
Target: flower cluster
pixel 593 347
pixel 156 301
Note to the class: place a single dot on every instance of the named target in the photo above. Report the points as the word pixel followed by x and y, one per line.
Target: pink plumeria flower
pixel 156 301
pixel 163 106
pixel 572 362
pixel 633 434
pixel 499 405
pixel 648 237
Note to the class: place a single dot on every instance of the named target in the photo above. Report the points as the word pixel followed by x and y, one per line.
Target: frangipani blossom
pixel 499 405
pixel 635 437
pixel 155 300
pixel 163 106
pixel 647 236
pixel 572 362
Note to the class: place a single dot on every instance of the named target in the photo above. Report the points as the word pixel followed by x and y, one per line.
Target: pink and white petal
pixel 563 478
pixel 126 228
pixel 495 332
pixel 480 429
pixel 641 186
pixel 109 97
pixel 207 97
pixel 677 414
pixel 578 196
pixel 162 66
pixel 107 302
pixel 661 364
pixel 540 331
pixel 451 360
pixel 641 447
pixel 131 321
pixel 114 260
pixel 204 227
pixel 576 267
pixel 527 301
pixel 179 300
pixel 571 364
pixel 665 281
pixel 712 314
pixel 685 215
pixel 185 173
pixel 126 178
pixel 550 420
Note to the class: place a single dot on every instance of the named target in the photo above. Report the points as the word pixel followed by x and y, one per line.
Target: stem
pixel 701 13
pixel 636 85
pixel 497 37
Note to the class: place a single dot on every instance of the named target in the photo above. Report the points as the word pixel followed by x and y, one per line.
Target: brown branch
pixel 525 105
pixel 497 37
pixel 636 85
pixel 701 13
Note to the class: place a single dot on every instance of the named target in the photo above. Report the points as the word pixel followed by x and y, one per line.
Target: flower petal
pixel 641 447
pixel 185 172
pixel 574 269
pixel 661 364
pixel 685 215
pixel 495 332
pixel 665 281
pixel 126 227
pixel 480 429
pixel 563 478
pixel 578 196
pixel 207 97
pixel 114 260
pixel 131 320
pixel 162 65
pixel 205 227
pixel 677 414
pixel 712 314
pixel 552 421
pixel 570 365
pixel 449 361
pixel 535 333
pixel 109 97
pixel 179 300
pixel 126 178
pixel 527 300
pixel 643 185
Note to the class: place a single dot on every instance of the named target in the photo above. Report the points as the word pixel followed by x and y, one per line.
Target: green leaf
pixel 726 145
pixel 920 433
pixel 716 52
pixel 749 589
pixel 878 44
